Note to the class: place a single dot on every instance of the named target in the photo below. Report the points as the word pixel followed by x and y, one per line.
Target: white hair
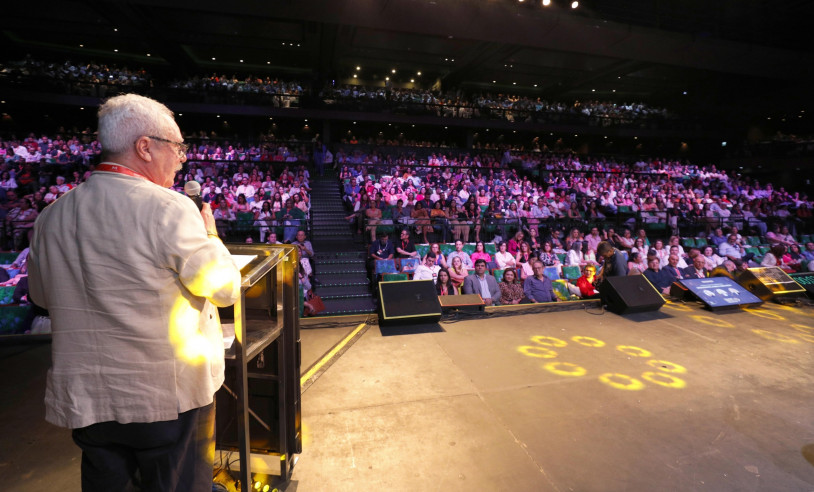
pixel 123 119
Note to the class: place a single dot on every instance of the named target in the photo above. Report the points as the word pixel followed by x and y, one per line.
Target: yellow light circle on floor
pixel 633 351
pixel 549 341
pixel 659 378
pixel 677 307
pixel 802 328
pixel 588 341
pixel 631 384
pixel 565 369
pixel 712 321
pixel 665 366
pixel 539 352
pixel 765 314
pixel 770 335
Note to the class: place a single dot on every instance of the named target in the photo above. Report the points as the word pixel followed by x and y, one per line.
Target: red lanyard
pixel 115 168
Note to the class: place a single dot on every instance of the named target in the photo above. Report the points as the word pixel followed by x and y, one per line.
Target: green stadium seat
pixel 392 277
pixel 571 272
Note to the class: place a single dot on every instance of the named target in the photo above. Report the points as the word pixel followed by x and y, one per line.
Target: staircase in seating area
pixel 339 261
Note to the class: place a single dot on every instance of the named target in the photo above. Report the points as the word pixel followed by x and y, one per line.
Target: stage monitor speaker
pixel 769 282
pixel 408 301
pixel 630 294
pixel 680 292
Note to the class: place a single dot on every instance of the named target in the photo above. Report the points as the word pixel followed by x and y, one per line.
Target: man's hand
pixel 209 219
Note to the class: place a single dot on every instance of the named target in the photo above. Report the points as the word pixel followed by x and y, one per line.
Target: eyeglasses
pixel 180 147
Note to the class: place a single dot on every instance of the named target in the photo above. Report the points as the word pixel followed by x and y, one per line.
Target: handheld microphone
pixel 193 190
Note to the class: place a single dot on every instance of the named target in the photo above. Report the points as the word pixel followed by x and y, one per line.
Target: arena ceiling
pixel 731 54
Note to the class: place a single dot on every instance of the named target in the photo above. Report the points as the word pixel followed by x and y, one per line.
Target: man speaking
pixel 131 273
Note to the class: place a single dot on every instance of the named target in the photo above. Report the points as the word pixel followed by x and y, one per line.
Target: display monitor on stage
pixel 769 283
pixel 720 292
pixel 806 281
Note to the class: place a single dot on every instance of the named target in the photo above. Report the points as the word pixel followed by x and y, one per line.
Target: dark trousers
pixel 174 455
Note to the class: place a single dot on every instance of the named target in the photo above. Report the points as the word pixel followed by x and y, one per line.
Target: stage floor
pixel 680 399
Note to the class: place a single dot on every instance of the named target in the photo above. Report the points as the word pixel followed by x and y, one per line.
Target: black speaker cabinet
pixel 630 294
pixel 408 301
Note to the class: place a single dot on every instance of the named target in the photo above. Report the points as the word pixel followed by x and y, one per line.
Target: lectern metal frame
pixel 278 267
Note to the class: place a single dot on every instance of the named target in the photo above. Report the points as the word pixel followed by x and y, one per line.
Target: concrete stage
pixel 681 399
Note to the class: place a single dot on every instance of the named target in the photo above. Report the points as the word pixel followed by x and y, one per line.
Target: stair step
pixel 339 256
pixel 339 246
pixel 342 261
pixel 335 307
pixel 341 280
pixel 358 267
pixel 343 291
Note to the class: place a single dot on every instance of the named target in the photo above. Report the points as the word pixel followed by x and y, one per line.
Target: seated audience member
pixel 538 287
pixel 439 257
pixel 711 259
pixel 224 218
pixel 303 245
pixel 780 236
pixel 547 255
pixel 503 258
pixel 697 269
pixel 459 252
pixel 674 250
pixel 382 249
pixel 775 258
pixel 585 283
pixel 511 290
pixel 672 268
pixel 481 254
pixel 625 241
pixel 457 272
pixel 515 242
pixel 637 264
pixel 661 280
pixel 808 256
pixel 272 239
pixel 292 218
pixel 733 251
pixel 443 286
pixel 405 247
pixel 556 242
pixel 575 257
pixel 794 258
pixel 718 237
pixel 482 283
pixel 428 270
pixel 524 260
pixel 594 238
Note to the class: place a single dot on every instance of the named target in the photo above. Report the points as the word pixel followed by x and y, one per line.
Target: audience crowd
pixel 560 219
pixel 91 78
pixel 457 104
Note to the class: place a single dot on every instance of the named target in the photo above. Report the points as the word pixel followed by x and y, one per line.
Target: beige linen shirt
pixel 131 281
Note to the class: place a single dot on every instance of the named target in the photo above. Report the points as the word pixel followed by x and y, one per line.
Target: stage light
pixel 418 73
pixel 574 4
pixel 358 68
pixel 546 3
pixel 393 71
